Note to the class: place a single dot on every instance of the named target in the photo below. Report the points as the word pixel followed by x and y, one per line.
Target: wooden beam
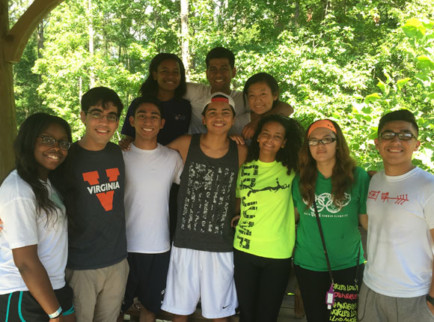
pixel 17 38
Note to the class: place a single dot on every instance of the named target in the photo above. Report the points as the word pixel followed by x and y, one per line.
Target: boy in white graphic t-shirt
pixel 398 278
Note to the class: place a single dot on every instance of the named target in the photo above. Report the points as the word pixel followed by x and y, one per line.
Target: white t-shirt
pixel 198 95
pixel 149 176
pixel 400 250
pixel 22 226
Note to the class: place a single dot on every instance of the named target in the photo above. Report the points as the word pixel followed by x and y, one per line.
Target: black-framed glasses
pixel 51 142
pixel 98 115
pixel 403 136
pixel 314 142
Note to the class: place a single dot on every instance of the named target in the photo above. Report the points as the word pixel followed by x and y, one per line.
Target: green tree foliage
pixel 348 60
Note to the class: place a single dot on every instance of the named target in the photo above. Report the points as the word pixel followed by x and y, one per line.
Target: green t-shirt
pixel 267 224
pixel 340 226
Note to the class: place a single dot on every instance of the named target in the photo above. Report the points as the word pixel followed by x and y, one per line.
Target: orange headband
pixel 322 123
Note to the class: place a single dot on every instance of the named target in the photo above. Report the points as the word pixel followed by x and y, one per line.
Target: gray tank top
pixel 206 200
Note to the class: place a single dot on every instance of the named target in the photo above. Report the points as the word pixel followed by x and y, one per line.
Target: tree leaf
pixel 401 83
pixel 414 28
pixel 425 63
pixel 372 98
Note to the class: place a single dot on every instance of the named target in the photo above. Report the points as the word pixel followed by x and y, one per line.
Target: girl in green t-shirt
pixel 329 180
pixel 265 234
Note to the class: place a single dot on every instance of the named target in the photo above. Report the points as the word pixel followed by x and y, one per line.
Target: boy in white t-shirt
pixel 150 171
pixel 398 279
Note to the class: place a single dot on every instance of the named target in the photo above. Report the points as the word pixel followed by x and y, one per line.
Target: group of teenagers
pixel 86 225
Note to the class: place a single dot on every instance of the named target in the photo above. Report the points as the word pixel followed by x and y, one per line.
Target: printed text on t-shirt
pixel 103 191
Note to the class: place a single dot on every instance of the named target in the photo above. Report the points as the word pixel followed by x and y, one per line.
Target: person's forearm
pixel 36 279
pixel 281 108
pixel 363 221
pixel 431 290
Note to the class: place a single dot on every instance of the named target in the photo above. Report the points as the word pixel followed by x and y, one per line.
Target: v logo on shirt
pixel 104 191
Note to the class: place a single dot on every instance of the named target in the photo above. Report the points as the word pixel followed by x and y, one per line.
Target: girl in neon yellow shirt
pixel 265 234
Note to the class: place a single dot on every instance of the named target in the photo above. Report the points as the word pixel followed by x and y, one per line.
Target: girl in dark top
pixel 166 83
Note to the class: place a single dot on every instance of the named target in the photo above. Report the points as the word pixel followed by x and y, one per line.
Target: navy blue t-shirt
pixel 92 184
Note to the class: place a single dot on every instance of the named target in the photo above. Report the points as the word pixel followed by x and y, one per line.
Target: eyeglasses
pixel 51 142
pixel 314 142
pixel 97 115
pixel 403 136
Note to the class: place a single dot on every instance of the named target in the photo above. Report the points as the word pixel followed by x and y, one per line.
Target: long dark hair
pixel 25 162
pixel 288 155
pixel 150 85
pixel 342 175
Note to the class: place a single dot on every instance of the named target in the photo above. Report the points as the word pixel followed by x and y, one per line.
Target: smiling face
pixel 323 153
pixel 168 75
pixel 397 154
pixel 271 139
pixel 147 122
pixel 218 117
pixel 260 98
pixel 101 123
pixel 50 157
pixel 219 74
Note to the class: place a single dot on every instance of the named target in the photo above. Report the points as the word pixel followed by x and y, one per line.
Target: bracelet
pixel 56 314
pixel 430 299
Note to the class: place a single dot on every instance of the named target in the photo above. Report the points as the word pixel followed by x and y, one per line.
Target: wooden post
pixel 12 44
pixel 7 105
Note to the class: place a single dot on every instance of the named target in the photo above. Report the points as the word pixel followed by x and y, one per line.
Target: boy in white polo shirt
pixel 150 171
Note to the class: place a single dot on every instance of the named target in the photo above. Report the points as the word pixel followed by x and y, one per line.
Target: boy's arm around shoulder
pixel 181 145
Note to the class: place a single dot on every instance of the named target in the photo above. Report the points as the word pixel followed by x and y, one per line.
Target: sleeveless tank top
pixel 206 200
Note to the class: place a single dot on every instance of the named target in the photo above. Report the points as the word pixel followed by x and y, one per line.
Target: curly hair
pixel 294 139
pixel 25 162
pixel 150 86
pixel 342 174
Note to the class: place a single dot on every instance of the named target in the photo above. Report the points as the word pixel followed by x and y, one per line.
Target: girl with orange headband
pixel 330 199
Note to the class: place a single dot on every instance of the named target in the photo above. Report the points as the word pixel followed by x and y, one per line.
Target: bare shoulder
pixel 242 153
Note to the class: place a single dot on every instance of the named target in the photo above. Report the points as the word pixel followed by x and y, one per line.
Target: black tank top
pixel 206 200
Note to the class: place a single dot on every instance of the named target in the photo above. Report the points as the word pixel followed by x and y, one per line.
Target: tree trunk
pixel 185 38
pixel 91 46
pixel 41 39
pixel 296 13
pixel 327 7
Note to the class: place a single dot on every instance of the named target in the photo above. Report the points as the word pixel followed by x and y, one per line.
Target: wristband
pixel 56 314
pixel 430 299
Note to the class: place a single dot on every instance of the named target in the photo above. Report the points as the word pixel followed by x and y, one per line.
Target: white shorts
pixel 194 275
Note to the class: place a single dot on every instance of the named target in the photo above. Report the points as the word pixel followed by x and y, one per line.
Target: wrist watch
pixel 430 299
